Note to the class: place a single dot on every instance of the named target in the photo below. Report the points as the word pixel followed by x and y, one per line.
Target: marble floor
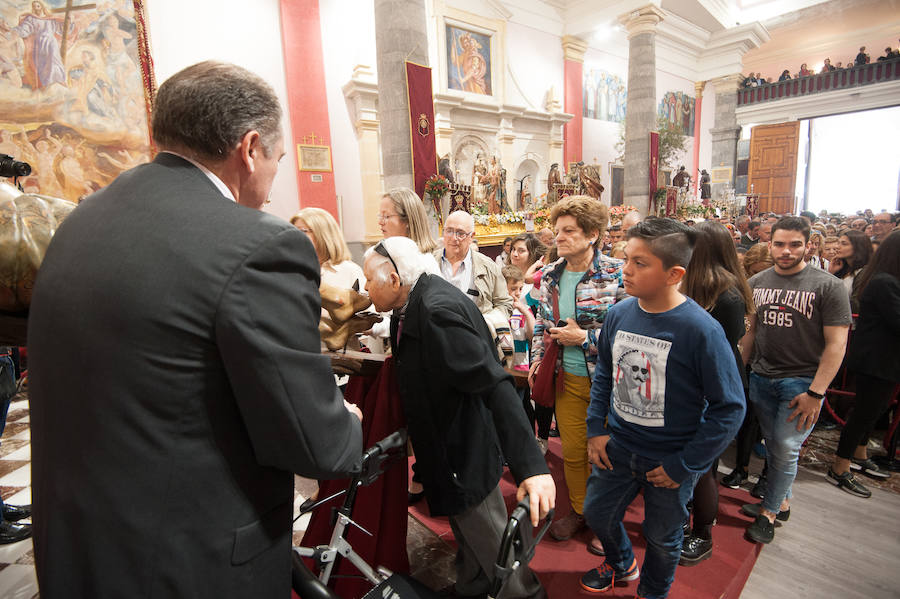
pixel 835 545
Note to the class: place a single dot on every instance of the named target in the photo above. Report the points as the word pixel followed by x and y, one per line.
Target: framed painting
pixel 314 158
pixel 76 87
pixel 469 60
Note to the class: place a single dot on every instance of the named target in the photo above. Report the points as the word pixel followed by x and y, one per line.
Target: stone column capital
pixel 573 48
pixel 642 20
pixel 728 83
pixel 699 86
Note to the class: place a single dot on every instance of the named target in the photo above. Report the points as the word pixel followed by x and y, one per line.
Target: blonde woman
pixel 402 213
pixel 338 268
pixel 815 248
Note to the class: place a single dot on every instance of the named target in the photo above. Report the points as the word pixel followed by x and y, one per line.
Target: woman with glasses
pixel 401 213
pixel 575 293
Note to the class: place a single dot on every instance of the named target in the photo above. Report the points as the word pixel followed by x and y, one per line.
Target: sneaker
pixel 735 479
pixel 603 578
pixel 544 445
pixel 759 489
pixel 761 531
pixel 694 550
pixel 847 482
pixel 554 432
pixel 564 528
pixel 869 468
pixel 752 510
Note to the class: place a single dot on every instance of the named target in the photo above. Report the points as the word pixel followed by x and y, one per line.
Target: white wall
pixel 184 33
pixel 354 46
pixel 534 64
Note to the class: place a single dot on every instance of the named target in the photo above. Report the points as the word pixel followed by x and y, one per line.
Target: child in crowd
pixel 665 402
pixel 521 327
pixel 521 323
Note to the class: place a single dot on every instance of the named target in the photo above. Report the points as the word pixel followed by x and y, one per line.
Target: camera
pixel 10 167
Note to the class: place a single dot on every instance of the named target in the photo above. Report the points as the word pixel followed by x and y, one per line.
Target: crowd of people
pixel 863 57
pixel 652 343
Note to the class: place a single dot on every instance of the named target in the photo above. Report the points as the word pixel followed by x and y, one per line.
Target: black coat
pixel 875 343
pixel 176 383
pixel 462 409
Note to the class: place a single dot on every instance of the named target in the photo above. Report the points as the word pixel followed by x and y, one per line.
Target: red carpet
pixel 560 565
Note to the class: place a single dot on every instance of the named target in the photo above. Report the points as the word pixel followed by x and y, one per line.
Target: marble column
pixel 726 132
pixel 640 118
pixel 400 35
pixel 573 71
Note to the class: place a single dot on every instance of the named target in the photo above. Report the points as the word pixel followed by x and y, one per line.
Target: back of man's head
pixel 630 219
pixel 792 223
pixel 206 109
pixel 668 240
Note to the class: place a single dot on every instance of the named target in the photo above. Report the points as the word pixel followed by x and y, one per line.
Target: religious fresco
pixel 468 61
pixel 74 83
pixel 604 96
pixel 678 109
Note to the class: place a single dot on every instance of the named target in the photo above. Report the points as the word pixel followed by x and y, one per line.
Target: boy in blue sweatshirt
pixel 666 399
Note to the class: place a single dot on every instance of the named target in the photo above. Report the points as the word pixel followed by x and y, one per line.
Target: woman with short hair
pixel 576 291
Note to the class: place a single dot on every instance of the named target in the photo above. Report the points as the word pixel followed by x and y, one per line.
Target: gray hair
pixel 208 107
pixel 411 263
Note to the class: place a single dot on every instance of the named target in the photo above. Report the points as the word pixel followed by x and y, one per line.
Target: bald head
pixel 630 219
pixel 458 232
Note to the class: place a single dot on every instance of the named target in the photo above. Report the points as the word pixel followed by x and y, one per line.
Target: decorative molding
pixel 642 20
pixel 728 83
pixel 852 99
pixel 500 9
pixel 699 86
pixel 574 48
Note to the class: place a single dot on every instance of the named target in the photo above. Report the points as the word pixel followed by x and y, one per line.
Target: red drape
pixel 380 508
pixel 421 124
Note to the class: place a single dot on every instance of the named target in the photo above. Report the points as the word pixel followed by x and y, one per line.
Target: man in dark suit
pixel 176 374
pixel 462 411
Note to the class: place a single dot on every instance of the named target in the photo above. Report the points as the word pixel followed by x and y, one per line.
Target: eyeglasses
pixel 382 251
pixel 384 217
pixel 307 231
pixel 458 233
pixel 881 222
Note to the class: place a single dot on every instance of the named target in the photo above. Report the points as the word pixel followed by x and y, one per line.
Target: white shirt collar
pixel 220 185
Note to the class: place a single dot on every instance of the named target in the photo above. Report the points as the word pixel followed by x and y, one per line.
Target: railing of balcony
pixel 874 72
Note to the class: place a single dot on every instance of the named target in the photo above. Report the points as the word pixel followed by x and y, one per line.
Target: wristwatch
pixel 815 395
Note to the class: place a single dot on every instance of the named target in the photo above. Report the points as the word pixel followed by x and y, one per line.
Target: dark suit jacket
pixel 176 383
pixel 462 410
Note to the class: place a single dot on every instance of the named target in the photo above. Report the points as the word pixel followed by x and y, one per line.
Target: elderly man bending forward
pixel 462 411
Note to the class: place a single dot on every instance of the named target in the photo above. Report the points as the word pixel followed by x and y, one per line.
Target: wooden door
pixel 773 166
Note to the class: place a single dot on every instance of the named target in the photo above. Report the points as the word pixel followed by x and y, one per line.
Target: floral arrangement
pixel 437 186
pixel 619 211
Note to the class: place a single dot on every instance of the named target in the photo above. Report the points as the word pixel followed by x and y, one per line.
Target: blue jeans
pixel 610 492
pixel 771 398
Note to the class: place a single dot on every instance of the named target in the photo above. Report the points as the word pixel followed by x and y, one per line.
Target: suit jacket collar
pixel 173 160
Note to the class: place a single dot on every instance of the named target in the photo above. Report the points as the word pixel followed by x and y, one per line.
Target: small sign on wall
pixel 314 158
pixel 315 178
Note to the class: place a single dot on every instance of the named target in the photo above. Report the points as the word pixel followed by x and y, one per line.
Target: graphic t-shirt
pixel 791 313
pixel 517 327
pixel 666 386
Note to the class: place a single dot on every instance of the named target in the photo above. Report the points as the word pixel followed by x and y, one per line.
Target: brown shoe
pixel 596 547
pixel 565 527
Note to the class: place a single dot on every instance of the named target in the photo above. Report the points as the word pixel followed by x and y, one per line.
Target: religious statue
pixel 681 179
pixel 444 168
pixel 504 204
pixel 346 315
pixel 525 200
pixel 575 175
pixel 705 193
pixel 493 187
pixel 553 179
pixel 479 178
pixel 590 181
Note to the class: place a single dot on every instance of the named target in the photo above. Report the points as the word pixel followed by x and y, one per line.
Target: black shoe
pixel 761 531
pixel 11 532
pixel 694 550
pixel 412 498
pixel 13 513
pixel 735 479
pixel 752 510
pixel 554 432
pixel 847 482
pixel 759 489
pixel 869 468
